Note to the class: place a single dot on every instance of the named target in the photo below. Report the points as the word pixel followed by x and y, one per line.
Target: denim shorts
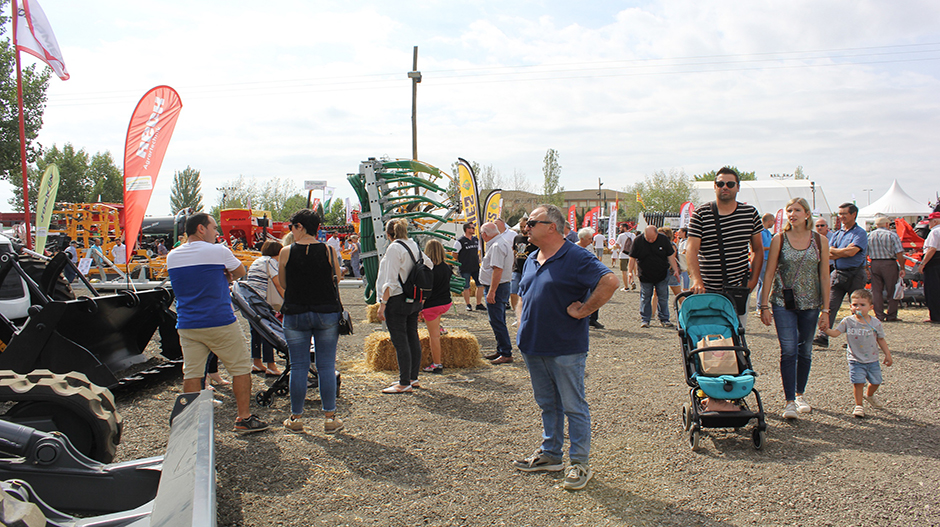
pixel 514 285
pixel 859 372
pixel 466 279
pixel 671 279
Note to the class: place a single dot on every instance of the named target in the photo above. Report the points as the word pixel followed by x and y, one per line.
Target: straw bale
pixel 459 349
pixel 372 313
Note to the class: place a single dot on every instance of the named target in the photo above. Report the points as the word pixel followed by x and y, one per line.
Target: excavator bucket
pixel 100 337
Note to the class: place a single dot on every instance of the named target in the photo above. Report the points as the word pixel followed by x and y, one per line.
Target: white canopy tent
pixel 769 196
pixel 895 203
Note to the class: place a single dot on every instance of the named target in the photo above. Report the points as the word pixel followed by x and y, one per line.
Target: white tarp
pixel 895 203
pixel 769 196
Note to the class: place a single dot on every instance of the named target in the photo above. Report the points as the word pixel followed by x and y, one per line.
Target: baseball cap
pixel 934 216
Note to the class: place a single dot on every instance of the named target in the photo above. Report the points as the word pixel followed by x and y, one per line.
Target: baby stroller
pixel 717 368
pixel 262 319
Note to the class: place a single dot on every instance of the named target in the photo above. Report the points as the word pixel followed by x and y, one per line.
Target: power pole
pixel 415 77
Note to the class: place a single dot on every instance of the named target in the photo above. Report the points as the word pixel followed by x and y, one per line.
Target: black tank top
pixel 309 280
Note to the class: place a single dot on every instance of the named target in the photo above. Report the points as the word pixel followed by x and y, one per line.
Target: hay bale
pixel 459 349
pixel 372 313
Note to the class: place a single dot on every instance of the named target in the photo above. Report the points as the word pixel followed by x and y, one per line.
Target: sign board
pixel 314 185
pixel 672 223
pixel 84 265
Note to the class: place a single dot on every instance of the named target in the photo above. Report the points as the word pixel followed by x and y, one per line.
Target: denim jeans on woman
pixel 324 328
pixel 402 326
pixel 646 300
pixel 795 330
pixel 558 386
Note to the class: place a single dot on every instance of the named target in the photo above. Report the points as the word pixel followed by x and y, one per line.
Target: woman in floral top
pixel 798 268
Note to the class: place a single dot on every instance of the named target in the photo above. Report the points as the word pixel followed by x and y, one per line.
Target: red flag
pixel 33 34
pixel 572 216
pixel 148 135
pixel 778 222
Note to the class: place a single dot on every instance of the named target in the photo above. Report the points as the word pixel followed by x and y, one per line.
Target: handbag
pixel 718 362
pixel 345 320
pixel 899 290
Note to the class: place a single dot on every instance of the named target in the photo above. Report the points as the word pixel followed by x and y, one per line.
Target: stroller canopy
pixel 708 314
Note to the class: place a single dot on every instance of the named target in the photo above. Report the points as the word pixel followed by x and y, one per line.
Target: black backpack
pixel 420 280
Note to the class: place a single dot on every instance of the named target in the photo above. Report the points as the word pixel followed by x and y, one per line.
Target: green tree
pixel 107 180
pixel 660 192
pixel 35 84
pixel 186 191
pixel 798 173
pixel 337 213
pixel 552 191
pixel 274 195
pixel 74 182
pixel 710 176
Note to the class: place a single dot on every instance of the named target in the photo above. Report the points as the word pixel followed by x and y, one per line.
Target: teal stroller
pixel 718 368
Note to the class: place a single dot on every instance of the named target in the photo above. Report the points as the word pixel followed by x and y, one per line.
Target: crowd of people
pixel 554 280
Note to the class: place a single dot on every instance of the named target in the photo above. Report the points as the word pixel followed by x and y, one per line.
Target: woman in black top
pixel 308 270
pixel 437 304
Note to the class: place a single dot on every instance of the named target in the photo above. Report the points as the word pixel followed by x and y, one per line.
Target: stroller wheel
pixel 686 417
pixel 759 437
pixel 263 399
pixel 695 438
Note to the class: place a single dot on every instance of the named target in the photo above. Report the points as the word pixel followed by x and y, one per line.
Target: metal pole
pixel 19 99
pixel 415 77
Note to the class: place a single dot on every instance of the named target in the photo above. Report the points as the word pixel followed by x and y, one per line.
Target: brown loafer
pixel 491 356
pixel 502 359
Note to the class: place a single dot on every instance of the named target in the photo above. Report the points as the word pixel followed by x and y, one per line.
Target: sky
pixel 305 90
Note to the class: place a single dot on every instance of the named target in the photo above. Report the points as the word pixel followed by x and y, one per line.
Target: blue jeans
pixel 646 300
pixel 324 328
pixel 795 330
pixel 558 386
pixel 684 278
pixel 497 316
pixel 260 348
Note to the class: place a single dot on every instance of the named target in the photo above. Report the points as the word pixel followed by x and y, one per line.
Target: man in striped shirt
pixel 887 266
pixel 740 225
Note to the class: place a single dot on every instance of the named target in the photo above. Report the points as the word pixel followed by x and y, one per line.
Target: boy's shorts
pixel 624 264
pixel 859 372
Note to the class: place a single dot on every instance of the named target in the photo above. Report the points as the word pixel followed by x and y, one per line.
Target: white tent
pixel 895 203
pixel 769 196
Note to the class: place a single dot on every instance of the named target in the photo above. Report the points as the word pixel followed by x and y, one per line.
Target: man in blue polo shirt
pixel 200 271
pixel 561 286
pixel 848 251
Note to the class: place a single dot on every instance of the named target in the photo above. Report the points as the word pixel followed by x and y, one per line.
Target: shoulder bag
pixel 345 320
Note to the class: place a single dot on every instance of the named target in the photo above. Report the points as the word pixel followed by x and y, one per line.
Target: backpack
pixel 420 280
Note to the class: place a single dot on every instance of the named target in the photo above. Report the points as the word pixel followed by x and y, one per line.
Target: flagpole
pixel 19 100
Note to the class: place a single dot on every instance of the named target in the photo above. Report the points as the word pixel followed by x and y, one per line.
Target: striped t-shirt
pixel 736 231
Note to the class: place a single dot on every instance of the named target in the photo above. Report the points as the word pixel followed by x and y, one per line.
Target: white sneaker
pixel 802 406
pixel 789 411
pixel 858 411
pixel 874 401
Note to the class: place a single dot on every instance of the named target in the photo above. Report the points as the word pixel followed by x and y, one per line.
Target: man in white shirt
pixel 930 266
pixel 599 242
pixel 495 275
pixel 119 253
pixel 622 248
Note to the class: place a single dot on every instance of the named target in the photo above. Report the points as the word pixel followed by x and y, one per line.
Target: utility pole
pixel 224 191
pixel 415 77
pixel 868 190
pixel 599 185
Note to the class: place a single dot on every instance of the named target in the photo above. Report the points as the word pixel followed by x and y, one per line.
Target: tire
pixel 686 417
pixel 67 403
pixel 34 268
pixel 759 437
pixel 695 438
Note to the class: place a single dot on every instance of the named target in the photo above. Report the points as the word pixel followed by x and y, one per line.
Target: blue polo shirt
pixel 545 328
pixel 843 238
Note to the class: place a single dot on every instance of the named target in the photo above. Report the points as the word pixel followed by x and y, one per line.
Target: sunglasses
pixel 533 223
pixel 730 184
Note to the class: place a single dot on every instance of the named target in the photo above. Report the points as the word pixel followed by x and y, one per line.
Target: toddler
pixel 865 335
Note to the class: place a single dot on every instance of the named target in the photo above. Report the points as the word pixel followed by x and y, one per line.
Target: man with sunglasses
pixel 714 265
pixel 561 286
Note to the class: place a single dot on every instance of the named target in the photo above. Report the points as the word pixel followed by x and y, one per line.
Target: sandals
pixel 271 373
pixel 397 388
pixel 216 380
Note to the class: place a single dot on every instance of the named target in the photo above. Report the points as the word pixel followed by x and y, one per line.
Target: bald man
pixel 887 266
pixel 654 256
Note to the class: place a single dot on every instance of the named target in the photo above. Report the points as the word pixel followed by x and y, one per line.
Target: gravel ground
pixel 441 456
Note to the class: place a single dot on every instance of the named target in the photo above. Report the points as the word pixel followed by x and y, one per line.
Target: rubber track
pixel 73 391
